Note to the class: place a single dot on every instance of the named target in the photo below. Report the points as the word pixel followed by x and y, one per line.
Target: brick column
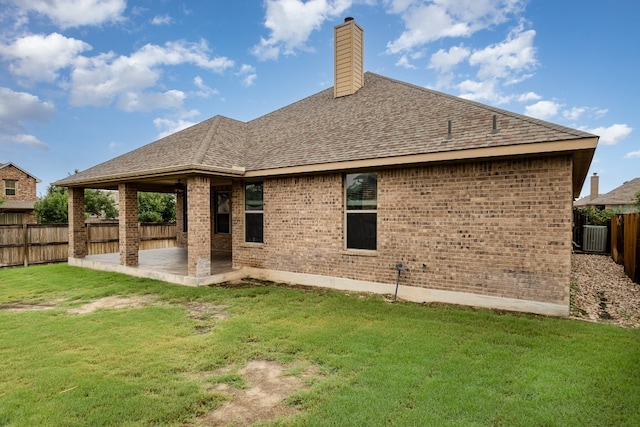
pixel 77 230
pixel 181 235
pixel 128 224
pixel 199 233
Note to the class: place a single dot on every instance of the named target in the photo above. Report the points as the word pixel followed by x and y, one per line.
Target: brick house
pixel 18 193
pixel 338 188
pixel 621 199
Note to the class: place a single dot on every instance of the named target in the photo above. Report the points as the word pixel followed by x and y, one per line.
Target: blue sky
pixel 82 81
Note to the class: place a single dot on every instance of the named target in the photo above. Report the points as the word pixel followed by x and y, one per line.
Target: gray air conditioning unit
pixel 594 238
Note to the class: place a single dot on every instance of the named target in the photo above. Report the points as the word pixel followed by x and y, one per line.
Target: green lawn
pixel 378 363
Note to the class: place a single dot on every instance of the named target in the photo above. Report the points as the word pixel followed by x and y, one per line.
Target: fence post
pixel 88 236
pixel 636 245
pixel 25 236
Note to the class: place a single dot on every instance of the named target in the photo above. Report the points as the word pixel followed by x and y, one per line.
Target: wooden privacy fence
pixel 625 243
pixel 44 243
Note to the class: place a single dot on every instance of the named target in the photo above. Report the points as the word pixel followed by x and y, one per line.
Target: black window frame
pixel 360 215
pixel 254 213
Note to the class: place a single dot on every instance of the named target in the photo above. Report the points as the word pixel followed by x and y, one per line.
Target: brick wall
pixel 26 186
pixel 497 228
pixel 128 229
pixel 77 229
pixel 199 226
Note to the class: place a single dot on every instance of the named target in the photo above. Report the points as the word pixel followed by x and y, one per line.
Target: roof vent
pixel 495 124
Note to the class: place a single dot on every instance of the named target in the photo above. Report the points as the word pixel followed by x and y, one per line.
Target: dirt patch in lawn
pixel 18 307
pixel 136 301
pixel 267 387
pixel 206 311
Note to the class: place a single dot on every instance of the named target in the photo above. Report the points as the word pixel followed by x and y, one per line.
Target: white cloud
pixel 162 20
pixel 529 96
pixel 75 13
pixel 633 155
pixel 486 91
pixel 611 135
pixel 205 91
pixel 291 22
pixel 168 126
pixel 101 79
pixel 503 60
pixel 39 58
pixel 248 74
pixel 429 20
pixel 404 62
pixel 23 139
pixel 149 101
pixel 498 65
pixel 17 108
pixel 444 61
pixel 543 110
pixel 601 113
pixel 574 113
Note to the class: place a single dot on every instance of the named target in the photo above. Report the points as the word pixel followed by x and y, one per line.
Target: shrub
pixel 597 216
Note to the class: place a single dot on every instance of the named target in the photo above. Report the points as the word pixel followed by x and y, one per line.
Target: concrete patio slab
pixel 167 264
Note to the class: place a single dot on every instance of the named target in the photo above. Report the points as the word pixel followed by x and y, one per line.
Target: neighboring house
pixel 18 193
pixel 336 189
pixel 621 199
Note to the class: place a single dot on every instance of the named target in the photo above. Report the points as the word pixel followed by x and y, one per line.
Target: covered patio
pixel 167 264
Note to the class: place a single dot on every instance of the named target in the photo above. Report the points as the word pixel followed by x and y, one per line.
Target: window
pixel 361 196
pixel 253 213
pixel 222 209
pixel 10 186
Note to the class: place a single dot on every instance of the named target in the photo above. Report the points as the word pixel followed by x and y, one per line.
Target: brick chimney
pixel 595 180
pixel 349 58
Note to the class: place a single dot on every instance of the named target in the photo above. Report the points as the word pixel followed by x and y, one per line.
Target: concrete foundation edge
pixel 408 293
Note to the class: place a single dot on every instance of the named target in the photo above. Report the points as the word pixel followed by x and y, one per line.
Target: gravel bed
pixel 601 292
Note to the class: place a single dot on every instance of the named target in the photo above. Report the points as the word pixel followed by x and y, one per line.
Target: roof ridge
pixel 529 119
pixel 198 157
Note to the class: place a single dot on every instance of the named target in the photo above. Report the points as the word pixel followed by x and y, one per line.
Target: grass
pixel 400 364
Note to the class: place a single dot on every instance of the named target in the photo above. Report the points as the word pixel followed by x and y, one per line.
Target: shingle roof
pixel 214 144
pixel 383 119
pixel 386 118
pixel 623 195
pixel 17 205
pixel 584 201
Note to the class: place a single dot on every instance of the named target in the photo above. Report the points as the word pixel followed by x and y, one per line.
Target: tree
pixel 156 207
pixel 54 207
pixel 637 200
pixel 100 204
